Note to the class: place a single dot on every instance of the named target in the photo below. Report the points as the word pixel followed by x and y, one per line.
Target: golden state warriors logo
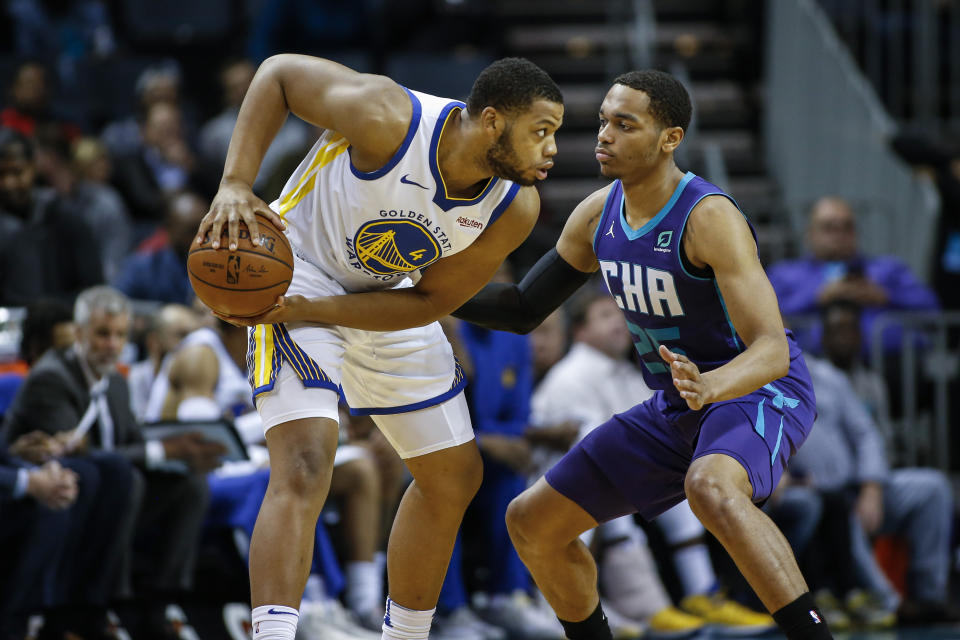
pixel 386 247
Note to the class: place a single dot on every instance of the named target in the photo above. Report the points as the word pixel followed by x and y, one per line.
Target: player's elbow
pixel 275 64
pixel 780 358
pixel 526 324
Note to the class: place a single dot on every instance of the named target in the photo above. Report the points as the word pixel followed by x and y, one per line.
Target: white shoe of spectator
pixel 464 617
pixel 519 615
pixel 621 626
pixel 630 582
pixel 451 627
pixel 178 622
pixel 328 620
pixel 371 620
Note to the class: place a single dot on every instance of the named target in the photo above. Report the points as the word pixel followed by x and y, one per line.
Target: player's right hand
pixel 235 202
pixel 686 378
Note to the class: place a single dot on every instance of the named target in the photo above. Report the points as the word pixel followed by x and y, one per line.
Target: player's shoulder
pixel 714 208
pixel 586 215
pixel 596 200
pixel 525 207
pixel 716 213
pixel 377 94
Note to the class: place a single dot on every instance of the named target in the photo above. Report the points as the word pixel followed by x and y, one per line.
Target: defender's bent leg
pixel 281 548
pixel 720 494
pixel 426 525
pixel 545 527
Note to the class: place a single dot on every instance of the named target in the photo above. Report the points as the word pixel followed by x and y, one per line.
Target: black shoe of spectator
pixel 99 624
pixel 921 613
pixel 155 626
pixel 63 623
pixel 53 628
pixel 164 622
pixel 88 623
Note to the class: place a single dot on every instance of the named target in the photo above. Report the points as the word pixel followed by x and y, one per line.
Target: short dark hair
pixel 13 143
pixel 848 306
pixel 578 307
pixel 37 328
pixel 669 100
pixel 511 84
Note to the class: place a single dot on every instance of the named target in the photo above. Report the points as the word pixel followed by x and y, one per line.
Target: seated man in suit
pixel 80 389
pixel 37 505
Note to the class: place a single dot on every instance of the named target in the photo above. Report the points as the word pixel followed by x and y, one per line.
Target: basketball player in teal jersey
pixel 734 400
pixel 403 209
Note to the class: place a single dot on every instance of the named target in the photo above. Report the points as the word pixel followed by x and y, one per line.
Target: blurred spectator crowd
pixel 132 464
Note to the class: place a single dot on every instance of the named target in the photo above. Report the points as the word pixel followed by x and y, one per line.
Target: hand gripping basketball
pixel 246 281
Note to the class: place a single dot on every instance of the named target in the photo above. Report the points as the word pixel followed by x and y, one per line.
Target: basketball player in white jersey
pixel 412 201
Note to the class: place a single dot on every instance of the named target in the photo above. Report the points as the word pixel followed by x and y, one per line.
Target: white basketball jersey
pixel 370 230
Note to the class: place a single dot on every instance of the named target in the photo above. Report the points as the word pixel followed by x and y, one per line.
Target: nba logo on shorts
pixel 233 269
pixel 816 618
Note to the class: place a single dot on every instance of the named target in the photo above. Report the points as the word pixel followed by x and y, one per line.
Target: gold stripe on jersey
pixel 270 347
pixel 264 359
pixel 325 155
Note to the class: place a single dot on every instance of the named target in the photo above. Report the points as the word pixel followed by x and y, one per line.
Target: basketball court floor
pixel 890 634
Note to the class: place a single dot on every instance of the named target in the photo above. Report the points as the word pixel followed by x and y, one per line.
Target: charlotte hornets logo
pixel 387 247
pixel 663 242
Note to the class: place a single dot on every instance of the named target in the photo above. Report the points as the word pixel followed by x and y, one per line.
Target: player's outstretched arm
pixel 371 112
pixel 444 285
pixel 718 236
pixel 520 308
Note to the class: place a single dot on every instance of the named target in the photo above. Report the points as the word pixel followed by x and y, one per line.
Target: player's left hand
pixel 686 378
pixel 287 309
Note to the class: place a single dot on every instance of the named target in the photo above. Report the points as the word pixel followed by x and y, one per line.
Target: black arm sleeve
pixel 520 308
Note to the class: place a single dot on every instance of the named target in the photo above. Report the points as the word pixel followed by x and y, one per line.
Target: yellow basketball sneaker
pixel 673 623
pixel 727 617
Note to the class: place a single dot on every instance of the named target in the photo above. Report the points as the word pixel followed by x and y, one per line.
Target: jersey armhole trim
pixel 507 200
pixel 688 268
pixel 411 130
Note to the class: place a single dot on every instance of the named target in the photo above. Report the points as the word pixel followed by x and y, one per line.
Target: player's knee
pixel 456 481
pixel 710 496
pixel 523 523
pixel 304 474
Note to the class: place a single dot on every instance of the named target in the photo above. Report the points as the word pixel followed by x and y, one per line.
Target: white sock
pixel 400 623
pixel 364 586
pixel 695 570
pixel 274 622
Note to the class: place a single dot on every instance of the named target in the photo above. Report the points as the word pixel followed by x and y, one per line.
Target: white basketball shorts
pixel 408 381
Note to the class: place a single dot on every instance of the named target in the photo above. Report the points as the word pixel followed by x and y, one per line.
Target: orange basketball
pixel 245 282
